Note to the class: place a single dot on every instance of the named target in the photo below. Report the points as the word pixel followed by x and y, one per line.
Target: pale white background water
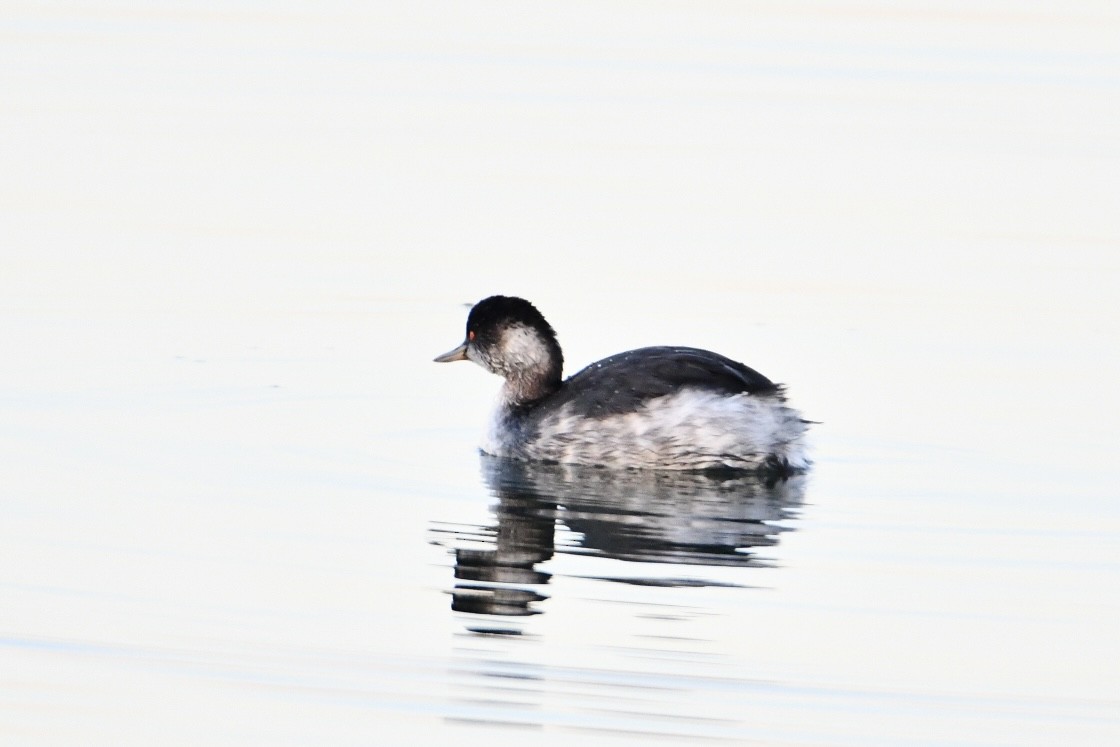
pixel 233 235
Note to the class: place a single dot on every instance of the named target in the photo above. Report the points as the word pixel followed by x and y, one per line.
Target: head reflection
pixel 693 519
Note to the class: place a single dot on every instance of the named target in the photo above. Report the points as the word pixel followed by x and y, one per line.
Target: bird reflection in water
pixel 694 519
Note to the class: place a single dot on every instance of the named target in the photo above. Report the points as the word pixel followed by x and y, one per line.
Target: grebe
pixel 660 407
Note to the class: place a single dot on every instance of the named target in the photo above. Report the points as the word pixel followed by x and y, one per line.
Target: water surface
pixel 241 505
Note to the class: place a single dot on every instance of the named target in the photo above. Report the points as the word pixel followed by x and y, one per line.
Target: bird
pixel 663 407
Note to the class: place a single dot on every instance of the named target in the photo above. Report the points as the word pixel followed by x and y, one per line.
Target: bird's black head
pixel 508 336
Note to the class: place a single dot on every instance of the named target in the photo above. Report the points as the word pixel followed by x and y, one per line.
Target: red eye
pixel 470 335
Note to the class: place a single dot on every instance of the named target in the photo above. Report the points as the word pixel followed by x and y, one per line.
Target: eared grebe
pixel 660 407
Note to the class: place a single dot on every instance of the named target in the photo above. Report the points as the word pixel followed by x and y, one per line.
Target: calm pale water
pixel 239 504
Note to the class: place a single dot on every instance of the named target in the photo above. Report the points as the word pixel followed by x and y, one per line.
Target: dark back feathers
pixel 624 382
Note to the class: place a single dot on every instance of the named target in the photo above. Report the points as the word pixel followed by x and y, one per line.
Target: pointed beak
pixel 458 354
